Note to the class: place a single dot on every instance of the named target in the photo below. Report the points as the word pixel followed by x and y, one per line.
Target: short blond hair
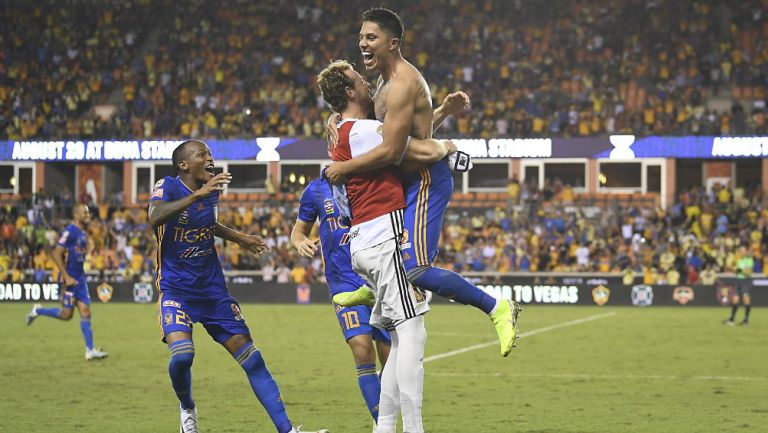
pixel 333 83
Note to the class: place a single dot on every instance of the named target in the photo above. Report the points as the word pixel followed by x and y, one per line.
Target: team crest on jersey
pixel 601 294
pixel 184 217
pixel 328 206
pixel 168 317
pixel 404 238
pixel 683 295
pixel 237 313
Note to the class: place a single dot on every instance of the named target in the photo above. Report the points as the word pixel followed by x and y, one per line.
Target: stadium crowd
pixel 236 68
pixel 538 231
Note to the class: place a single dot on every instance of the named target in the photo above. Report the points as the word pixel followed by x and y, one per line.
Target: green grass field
pixel 577 369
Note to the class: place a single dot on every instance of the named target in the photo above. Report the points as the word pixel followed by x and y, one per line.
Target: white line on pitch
pixel 602 376
pixel 524 334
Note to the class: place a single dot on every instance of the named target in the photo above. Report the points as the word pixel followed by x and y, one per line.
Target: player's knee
pixel 181 361
pixel 415 272
pixel 747 300
pixel 65 314
pixel 362 351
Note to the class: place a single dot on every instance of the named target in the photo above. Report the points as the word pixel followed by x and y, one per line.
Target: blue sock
pixel 453 286
pixel 264 386
pixel 370 387
pixel 50 312
pixel 180 370
pixel 85 327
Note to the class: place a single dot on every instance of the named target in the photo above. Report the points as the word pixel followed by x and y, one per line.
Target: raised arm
pixel 452 104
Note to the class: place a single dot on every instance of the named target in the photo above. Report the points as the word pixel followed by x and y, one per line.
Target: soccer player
pixel 183 212
pixel 317 202
pixel 404 104
pixel 744 267
pixel 377 203
pixel 74 241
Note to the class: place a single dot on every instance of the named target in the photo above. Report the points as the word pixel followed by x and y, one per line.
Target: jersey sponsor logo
pixel 328 206
pixel 169 303
pixel 344 239
pixel 724 295
pixel 193 252
pixel 601 294
pixel 642 295
pixel 236 312
pixel 683 295
pixel 104 292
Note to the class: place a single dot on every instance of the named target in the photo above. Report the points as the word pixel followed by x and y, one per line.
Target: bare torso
pixel 422 99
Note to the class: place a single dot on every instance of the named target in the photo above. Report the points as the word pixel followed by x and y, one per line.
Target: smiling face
pixel 361 89
pixel 82 215
pixel 376 45
pixel 197 162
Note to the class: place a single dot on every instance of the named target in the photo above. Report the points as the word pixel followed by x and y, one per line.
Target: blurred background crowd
pixel 238 68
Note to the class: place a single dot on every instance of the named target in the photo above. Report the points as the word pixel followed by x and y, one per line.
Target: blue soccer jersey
pixel 187 264
pixel 75 242
pixel 317 202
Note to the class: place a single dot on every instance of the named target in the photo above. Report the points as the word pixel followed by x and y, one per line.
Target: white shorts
pixel 381 266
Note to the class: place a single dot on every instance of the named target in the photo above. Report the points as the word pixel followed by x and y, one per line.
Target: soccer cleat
pixel 188 420
pixel 361 296
pixel 728 322
pixel 505 321
pixel 94 354
pixel 299 430
pixel 33 314
pixel 744 323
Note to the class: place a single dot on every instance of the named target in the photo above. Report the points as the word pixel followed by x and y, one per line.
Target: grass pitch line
pixel 605 376
pixel 524 334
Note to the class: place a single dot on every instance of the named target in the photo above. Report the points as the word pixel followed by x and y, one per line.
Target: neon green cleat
pixel 505 321
pixel 362 296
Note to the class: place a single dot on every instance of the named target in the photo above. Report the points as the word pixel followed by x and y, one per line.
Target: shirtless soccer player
pixel 404 104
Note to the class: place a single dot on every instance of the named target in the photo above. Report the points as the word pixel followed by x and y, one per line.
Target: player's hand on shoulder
pixel 217 183
pixel 332 132
pixel 335 173
pixel 254 244
pixel 455 102
pixel 308 247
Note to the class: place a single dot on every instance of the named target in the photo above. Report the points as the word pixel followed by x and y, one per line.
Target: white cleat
pixel 95 354
pixel 299 430
pixel 33 314
pixel 188 420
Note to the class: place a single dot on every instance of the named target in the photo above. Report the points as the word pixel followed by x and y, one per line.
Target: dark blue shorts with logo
pixel 220 317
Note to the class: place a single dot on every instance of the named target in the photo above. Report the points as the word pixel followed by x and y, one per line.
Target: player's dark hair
pixel 389 21
pixel 181 153
pixel 333 83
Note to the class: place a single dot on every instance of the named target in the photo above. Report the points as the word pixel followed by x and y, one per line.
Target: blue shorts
pixel 355 320
pixel 72 294
pixel 220 317
pixel 427 193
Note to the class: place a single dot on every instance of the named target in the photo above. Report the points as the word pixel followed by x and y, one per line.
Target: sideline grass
pixel 639 370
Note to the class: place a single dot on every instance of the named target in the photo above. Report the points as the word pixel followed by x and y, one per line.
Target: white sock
pixel 389 399
pixel 412 337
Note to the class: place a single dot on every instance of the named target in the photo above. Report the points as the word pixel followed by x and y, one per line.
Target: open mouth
pixel 367 57
pixel 209 169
